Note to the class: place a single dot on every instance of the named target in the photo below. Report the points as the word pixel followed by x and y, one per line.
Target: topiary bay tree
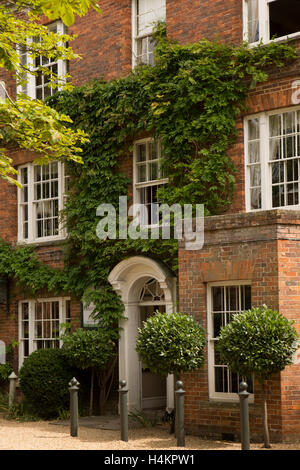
pixel 262 342
pixel 171 343
pixel 93 349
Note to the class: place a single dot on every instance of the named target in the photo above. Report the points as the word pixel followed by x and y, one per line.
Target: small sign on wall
pixel 86 316
pixel 2 352
pixel 296 356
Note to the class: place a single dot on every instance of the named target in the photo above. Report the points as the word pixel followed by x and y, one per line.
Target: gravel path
pixel 42 436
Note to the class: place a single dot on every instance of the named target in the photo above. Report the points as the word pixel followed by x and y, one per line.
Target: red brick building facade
pixel 251 252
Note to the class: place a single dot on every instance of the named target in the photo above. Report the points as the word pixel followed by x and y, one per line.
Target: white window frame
pixel 32 230
pixel 264 25
pixel 31 79
pixel 213 395
pixel 31 311
pixel 135 36
pixel 136 185
pixel 266 168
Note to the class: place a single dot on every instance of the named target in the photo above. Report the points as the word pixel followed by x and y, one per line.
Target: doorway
pixel 144 285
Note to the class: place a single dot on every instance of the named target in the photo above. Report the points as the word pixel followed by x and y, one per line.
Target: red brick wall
pixel 289 305
pixel 191 21
pixel 104 42
pixel 264 249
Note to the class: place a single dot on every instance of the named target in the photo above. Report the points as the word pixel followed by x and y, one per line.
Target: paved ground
pixel 98 434
pixel 109 423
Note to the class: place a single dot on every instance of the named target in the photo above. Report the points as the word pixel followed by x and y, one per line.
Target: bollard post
pixel 12 389
pixel 244 416
pixel 74 387
pixel 180 414
pixel 123 411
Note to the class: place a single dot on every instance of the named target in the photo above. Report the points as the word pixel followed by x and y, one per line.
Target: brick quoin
pixel 262 248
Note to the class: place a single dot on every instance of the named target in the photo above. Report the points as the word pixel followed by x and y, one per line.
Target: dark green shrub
pixel 44 379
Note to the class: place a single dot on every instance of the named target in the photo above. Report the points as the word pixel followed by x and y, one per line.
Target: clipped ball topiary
pixel 171 343
pixel 44 379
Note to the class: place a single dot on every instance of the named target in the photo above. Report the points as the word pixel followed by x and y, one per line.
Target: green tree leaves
pixel 89 348
pixel 171 344
pixel 260 341
pixel 31 124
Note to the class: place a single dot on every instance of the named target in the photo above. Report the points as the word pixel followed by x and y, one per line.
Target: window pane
pixel 253 150
pixel 142 173
pixel 278 196
pixel 37 173
pixel 255 195
pixel 275 125
pixel 292 170
pixel 277 172
pixel 275 149
pixel 218 299
pixel 54 170
pixel 255 175
pixel 234 382
pixel 221 383
pixel 292 194
pixel 153 171
pixel 39 94
pixel 288 123
pixel 153 150
pixel 253 22
pixel 24 175
pixel 253 129
pixel 25 311
pixel 232 295
pixel 289 147
pixel 141 152
pixel 218 321
pixel 246 298
pixel 284 17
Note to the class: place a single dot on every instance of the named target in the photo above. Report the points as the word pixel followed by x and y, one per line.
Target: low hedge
pixel 44 379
